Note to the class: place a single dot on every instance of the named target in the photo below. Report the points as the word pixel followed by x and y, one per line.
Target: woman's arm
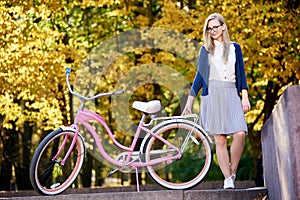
pixel 188 106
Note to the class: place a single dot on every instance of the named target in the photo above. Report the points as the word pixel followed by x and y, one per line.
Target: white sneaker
pixel 233 177
pixel 228 183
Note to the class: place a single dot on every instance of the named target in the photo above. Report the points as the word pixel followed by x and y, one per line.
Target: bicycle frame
pixel 83 116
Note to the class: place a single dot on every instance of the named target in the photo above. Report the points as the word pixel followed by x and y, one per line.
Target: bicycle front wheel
pixel 196 158
pixel 48 175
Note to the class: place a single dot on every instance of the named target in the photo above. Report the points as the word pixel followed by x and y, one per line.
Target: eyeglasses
pixel 214 28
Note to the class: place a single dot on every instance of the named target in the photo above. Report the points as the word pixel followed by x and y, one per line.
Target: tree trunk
pixel 9 139
pixel 22 171
pixel 98 166
pixel 86 172
pixel 150 13
pixel 6 163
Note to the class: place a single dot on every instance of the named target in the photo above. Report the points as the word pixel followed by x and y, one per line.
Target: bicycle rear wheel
pixel 48 176
pixel 196 158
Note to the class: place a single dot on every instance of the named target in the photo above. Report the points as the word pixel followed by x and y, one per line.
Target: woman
pixel 224 98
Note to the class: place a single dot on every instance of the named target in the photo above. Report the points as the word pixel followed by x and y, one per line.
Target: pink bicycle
pixel 176 151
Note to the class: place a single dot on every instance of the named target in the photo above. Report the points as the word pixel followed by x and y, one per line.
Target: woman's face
pixel 215 29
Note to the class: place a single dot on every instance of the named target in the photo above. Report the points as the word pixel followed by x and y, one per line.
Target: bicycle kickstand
pixel 137 179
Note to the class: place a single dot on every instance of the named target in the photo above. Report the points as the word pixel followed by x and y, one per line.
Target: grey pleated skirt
pixel 221 110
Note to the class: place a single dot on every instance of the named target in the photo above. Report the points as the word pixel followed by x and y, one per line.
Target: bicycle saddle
pixel 147 107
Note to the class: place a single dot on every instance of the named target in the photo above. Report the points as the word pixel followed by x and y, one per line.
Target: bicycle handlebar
pixel 68 70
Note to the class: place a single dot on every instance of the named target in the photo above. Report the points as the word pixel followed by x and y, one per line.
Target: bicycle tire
pixel 194 164
pixel 49 177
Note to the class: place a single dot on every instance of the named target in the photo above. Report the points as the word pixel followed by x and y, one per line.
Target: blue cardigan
pixel 203 68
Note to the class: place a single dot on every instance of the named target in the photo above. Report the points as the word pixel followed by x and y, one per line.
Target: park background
pixel 40 38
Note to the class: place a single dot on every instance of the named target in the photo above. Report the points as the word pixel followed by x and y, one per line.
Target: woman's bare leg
pixel 236 150
pixel 222 154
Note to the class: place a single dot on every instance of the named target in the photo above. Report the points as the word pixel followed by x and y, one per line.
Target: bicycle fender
pixel 67 128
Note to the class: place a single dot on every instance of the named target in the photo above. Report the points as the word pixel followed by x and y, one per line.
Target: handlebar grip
pixel 68 70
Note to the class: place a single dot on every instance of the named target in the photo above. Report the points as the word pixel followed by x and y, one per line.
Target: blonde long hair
pixel 209 42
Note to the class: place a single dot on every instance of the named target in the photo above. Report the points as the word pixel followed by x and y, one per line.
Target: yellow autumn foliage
pixel 124 41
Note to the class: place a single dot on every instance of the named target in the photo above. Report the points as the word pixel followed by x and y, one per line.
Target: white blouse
pixel 218 69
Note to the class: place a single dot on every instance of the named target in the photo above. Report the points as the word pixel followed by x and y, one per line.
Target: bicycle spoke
pixel 47 174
